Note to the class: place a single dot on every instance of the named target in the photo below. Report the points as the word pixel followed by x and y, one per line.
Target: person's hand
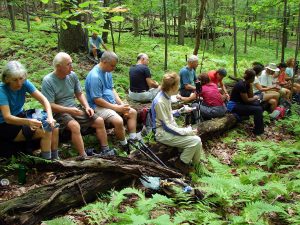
pixel 51 122
pixel 75 111
pixel 123 108
pixel 34 124
pixel 255 97
pixel 179 97
pixel 89 111
pixel 227 96
pixel 195 131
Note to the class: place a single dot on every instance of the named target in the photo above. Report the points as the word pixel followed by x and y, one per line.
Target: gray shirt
pixel 61 91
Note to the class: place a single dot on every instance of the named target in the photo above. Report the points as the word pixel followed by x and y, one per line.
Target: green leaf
pixel 73 22
pixel 44 1
pixel 64 25
pixel 117 19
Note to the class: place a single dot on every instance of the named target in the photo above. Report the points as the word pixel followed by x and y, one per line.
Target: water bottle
pixel 187 189
pixel 4 182
pixel 22 174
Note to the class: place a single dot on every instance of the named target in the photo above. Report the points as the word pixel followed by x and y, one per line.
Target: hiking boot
pixel 183 167
pixel 90 151
pixel 108 152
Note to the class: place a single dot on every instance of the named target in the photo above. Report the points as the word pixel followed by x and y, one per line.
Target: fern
pixel 254 211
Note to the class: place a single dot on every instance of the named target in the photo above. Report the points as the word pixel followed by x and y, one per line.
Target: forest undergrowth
pixel 246 180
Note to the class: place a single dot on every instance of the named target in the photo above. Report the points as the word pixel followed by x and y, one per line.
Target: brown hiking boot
pixel 184 168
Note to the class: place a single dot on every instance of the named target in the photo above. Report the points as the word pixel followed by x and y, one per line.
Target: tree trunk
pixel 135 26
pixel 246 29
pixel 198 30
pixel 166 35
pixel 234 40
pixel 106 24
pixel 73 38
pixel 27 15
pixel 181 21
pixel 11 11
pixel 284 32
pixel 112 36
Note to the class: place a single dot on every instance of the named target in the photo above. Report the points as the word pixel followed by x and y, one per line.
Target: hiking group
pixel 66 104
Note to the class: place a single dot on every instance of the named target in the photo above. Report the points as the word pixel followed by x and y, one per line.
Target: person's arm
pixel 152 83
pixel 166 120
pixel 223 87
pixel 189 87
pixel 44 102
pixel 246 99
pixel 82 99
pixel 11 119
pixel 187 99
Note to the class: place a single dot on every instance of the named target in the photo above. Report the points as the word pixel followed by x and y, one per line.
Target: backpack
pixel 146 119
pixel 278 113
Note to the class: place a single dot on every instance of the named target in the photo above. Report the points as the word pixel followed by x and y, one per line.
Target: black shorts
pixel 8 132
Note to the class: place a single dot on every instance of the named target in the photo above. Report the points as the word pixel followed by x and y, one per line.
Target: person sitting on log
pixel 14 124
pixel 61 87
pixel 105 100
pixel 188 76
pixel 212 104
pixel 168 132
pixel 217 76
pixel 243 103
pixel 268 79
pixel 142 87
pixel 265 94
pixel 284 81
pixel 94 46
pixel 290 68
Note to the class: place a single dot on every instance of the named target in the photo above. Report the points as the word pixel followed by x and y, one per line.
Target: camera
pixel 198 86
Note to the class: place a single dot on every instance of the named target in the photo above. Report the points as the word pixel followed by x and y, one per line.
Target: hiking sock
pixel 54 154
pixel 132 135
pixel 46 155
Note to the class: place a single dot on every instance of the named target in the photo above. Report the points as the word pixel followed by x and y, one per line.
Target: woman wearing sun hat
pixel 268 79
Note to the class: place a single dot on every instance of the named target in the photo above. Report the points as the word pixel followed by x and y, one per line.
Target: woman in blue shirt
pixel 14 126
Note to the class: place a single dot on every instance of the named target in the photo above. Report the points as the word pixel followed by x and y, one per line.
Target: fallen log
pixel 85 180
pixel 54 199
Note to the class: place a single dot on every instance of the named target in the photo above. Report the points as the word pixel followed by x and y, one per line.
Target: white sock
pixel 132 136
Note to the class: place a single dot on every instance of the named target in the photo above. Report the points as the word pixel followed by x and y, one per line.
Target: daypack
pixel 145 117
pixel 278 113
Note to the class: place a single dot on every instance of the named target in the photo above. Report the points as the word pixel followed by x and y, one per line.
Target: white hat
pixel 273 67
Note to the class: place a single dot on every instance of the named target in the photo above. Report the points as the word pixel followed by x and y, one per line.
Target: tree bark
pixel 11 11
pixel 81 182
pixel 198 30
pixel 135 26
pixel 284 31
pixel 166 35
pixel 181 21
pixel 234 40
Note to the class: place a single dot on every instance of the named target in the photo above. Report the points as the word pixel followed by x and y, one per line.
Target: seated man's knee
pixel 117 121
pixel 74 126
pixel 99 123
pixel 132 113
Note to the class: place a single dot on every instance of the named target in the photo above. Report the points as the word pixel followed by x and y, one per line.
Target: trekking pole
pixel 152 153
pixel 146 154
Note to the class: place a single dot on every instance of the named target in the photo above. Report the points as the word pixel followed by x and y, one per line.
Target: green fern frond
pixel 253 211
pixel 275 188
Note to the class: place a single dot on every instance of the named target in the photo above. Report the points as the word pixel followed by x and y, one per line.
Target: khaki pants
pixel 191 146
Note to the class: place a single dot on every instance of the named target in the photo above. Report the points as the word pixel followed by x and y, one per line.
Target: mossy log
pixel 78 184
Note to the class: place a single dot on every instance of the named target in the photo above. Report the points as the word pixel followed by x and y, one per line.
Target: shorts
pixel 85 121
pixel 8 132
pixel 146 96
pixel 106 114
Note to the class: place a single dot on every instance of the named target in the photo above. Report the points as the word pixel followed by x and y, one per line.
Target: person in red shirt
pixel 216 76
pixel 284 80
pixel 212 105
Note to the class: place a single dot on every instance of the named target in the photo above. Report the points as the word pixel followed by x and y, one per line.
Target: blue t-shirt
pixel 187 76
pixel 96 42
pixel 14 99
pixel 99 84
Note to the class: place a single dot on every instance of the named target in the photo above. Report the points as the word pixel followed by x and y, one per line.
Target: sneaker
pixel 108 152
pixel 184 168
pixel 90 151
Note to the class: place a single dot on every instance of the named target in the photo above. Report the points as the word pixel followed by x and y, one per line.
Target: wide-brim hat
pixel 273 67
